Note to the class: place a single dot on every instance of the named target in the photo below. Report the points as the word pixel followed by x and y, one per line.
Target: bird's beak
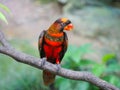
pixel 68 27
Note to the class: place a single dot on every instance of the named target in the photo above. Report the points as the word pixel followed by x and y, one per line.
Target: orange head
pixel 62 24
pixel 67 25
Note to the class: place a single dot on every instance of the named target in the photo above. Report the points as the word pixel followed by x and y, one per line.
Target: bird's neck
pixel 53 32
pixel 58 34
pixel 54 39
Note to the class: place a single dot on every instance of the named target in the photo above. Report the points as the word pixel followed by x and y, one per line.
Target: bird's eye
pixel 68 22
pixel 62 24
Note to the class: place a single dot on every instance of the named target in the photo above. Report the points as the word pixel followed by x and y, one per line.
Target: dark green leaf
pixel 108 57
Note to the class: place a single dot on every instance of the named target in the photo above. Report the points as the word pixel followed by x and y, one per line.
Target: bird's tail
pixel 48 77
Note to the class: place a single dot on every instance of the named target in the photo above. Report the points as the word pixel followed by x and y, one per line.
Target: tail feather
pixel 48 77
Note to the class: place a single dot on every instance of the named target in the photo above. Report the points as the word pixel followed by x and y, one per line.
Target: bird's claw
pixel 43 61
pixel 58 67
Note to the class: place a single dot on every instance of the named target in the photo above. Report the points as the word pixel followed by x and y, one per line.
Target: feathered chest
pixel 55 40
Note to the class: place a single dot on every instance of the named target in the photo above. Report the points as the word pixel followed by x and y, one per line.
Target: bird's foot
pixel 58 67
pixel 43 60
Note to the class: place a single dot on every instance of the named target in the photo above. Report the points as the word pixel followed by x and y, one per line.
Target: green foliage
pixel 75 54
pixel 98 69
pixel 107 69
pixel 65 84
pixel 107 57
pixel 2 16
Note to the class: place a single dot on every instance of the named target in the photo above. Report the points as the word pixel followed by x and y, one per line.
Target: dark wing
pixel 64 46
pixel 40 44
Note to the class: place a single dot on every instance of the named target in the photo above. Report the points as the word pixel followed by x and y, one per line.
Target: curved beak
pixel 68 27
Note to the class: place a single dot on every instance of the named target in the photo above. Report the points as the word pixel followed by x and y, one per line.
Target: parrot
pixel 52 45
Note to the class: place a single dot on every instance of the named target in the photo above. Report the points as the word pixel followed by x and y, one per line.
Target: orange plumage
pixel 52 44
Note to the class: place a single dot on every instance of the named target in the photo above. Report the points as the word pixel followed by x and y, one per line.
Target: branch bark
pixel 8 50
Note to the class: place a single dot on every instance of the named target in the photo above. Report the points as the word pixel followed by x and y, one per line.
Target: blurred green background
pixel 94 43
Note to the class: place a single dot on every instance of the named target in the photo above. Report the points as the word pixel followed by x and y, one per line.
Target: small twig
pixel 7 49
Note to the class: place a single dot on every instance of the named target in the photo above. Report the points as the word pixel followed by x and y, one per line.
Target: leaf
pixel 86 62
pixel 98 69
pixel 82 86
pixel 113 68
pixel 3 18
pixel 77 57
pixel 108 57
pixel 113 80
pixel 5 8
pixel 65 85
pixel 73 53
pixel 81 51
pixel 85 48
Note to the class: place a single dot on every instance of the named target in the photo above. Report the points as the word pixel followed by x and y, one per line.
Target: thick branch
pixel 36 62
pixel 3 41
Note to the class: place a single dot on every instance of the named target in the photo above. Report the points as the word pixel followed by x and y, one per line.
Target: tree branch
pixel 8 50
